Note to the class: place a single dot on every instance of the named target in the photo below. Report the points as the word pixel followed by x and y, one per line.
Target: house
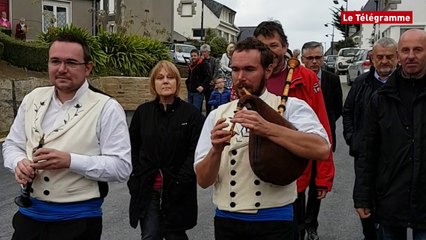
pixel 370 33
pixel 164 20
pixel 42 14
pixel 151 18
pixel 366 33
pixel 193 17
pixel 394 31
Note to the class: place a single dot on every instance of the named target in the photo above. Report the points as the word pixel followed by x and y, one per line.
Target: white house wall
pixel 224 25
pixel 366 36
pixel 185 25
pixel 419 19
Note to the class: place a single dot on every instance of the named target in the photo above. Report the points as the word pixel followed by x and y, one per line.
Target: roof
pixel 177 37
pixel 216 7
pixel 245 32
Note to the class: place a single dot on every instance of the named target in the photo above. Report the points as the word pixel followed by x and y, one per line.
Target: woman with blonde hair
pixel 163 135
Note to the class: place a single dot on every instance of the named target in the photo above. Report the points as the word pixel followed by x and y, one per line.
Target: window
pixel 186 9
pixel 110 6
pixel 197 32
pixel 55 14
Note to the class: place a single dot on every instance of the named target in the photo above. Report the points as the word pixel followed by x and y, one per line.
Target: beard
pixel 384 71
pixel 257 92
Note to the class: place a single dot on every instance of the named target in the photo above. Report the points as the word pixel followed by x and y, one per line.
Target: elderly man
pixel 248 207
pixel 384 58
pixel 67 141
pixel 390 182
pixel 214 69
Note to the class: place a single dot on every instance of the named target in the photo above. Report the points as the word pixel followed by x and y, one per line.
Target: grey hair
pixel 205 48
pixel 311 45
pixel 386 43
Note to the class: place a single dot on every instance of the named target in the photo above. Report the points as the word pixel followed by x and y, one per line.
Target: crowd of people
pixel 172 145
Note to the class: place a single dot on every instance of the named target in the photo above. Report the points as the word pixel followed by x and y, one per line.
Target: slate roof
pixel 245 32
pixel 216 7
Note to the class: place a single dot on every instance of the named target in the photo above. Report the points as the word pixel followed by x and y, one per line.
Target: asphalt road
pixel 338 220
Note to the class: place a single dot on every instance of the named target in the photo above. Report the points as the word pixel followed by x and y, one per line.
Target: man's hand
pixel 363 212
pixel 49 159
pixel 200 89
pixel 219 137
pixel 24 173
pixel 322 193
pixel 252 120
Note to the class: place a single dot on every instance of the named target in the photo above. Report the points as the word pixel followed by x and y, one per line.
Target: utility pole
pixel 202 20
pixel 332 37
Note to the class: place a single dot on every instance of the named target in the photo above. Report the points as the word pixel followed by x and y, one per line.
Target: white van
pixel 342 57
pixel 181 53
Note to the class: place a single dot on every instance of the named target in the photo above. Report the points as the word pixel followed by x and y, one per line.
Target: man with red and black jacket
pixel 198 80
pixel 305 86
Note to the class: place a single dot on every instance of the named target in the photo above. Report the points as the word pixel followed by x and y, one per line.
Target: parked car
pixel 329 62
pixel 343 56
pixel 358 65
pixel 181 53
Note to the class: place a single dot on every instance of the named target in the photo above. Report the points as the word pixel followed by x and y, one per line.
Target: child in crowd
pixel 220 94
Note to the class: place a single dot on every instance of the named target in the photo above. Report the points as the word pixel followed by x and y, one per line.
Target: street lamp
pixel 332 36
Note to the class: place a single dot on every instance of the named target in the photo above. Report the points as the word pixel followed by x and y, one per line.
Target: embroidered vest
pixel 76 135
pixel 237 188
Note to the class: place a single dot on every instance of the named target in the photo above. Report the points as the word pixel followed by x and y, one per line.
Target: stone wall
pixel 130 92
pixel 11 94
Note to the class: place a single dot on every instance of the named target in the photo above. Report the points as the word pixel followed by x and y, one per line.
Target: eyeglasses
pixel 310 58
pixel 68 63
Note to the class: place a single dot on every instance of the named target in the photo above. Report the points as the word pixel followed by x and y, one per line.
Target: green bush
pixel 30 55
pixel 1 49
pixel 218 46
pixel 130 55
pixel 98 55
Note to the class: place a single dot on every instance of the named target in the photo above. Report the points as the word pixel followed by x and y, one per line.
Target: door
pixel 4 6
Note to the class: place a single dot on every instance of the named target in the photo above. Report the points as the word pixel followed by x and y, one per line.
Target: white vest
pixel 237 188
pixel 76 135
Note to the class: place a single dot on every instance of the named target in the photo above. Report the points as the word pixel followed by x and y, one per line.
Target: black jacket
pixel 354 110
pixel 198 75
pixel 394 163
pixel 333 99
pixel 166 141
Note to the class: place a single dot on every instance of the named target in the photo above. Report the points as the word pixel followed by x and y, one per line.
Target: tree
pixel 343 28
pixel 218 44
pixel 342 44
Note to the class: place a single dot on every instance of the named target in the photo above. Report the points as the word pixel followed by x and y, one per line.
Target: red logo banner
pixel 387 17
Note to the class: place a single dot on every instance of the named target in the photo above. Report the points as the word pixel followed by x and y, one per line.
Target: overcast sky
pixel 302 20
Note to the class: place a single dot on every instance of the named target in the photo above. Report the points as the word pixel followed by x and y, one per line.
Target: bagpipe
pixel 269 161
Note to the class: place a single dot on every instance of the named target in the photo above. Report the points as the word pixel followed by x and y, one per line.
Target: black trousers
pixel 152 224
pixel 207 93
pixel 368 228
pixel 306 213
pixel 78 229
pixel 231 229
pixel 313 205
